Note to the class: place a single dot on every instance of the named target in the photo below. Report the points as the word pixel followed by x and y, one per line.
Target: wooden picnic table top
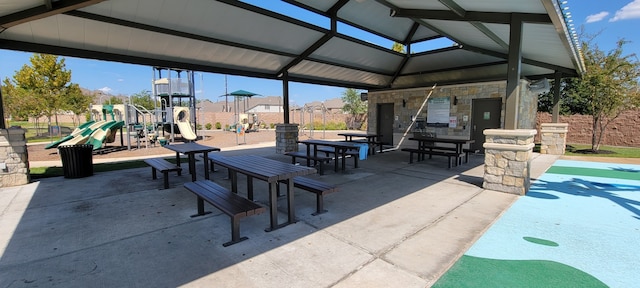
pixel 190 147
pixel 262 168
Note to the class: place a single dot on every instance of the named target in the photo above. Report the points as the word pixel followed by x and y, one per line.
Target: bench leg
pixel 410 157
pixel 355 161
pixel 165 174
pixel 154 176
pixel 235 232
pixel 319 205
pixel 201 211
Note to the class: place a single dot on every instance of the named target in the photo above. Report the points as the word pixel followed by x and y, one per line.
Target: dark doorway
pixel 486 115
pixel 385 123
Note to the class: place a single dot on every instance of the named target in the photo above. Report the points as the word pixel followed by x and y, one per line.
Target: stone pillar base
pixel 507 160
pixel 14 161
pixel 553 138
pixel 286 138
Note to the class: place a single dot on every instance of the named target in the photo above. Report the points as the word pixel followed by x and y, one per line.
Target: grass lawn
pixel 605 151
pixel 45 172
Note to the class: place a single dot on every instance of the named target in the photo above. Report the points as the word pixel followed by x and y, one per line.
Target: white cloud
pixel 105 90
pixel 629 11
pixel 597 17
pixel 120 80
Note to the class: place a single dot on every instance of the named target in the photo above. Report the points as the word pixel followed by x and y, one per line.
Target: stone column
pixel 286 138
pixel 14 161
pixel 507 160
pixel 553 138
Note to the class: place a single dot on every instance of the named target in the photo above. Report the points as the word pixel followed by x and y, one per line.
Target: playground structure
pixel 173 114
pixel 99 131
pixel 310 127
pixel 175 96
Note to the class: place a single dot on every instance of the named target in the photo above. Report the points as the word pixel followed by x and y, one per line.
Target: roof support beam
pixel 48 8
pixel 407 55
pixel 485 17
pixel 514 66
pixel 527 61
pixel 333 11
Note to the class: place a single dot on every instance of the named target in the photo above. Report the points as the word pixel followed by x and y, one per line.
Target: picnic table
pixel 428 145
pixel 190 149
pixel 340 149
pixel 372 139
pixel 268 170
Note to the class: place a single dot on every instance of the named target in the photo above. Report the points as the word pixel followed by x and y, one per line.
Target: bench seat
pixel 315 186
pixel 164 166
pixel 419 152
pixel 234 205
pixel 302 154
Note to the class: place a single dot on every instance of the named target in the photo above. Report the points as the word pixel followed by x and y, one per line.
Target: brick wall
pixel 623 131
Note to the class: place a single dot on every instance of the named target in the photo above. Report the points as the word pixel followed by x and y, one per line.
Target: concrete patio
pixel 392 224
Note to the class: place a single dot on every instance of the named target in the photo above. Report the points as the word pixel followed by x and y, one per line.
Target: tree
pixel 609 85
pixel 398 47
pixel 47 81
pixel 144 99
pixel 354 106
pixel 21 103
pixel 570 104
pixel 76 102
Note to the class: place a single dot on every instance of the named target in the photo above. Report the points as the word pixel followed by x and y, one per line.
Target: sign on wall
pixel 438 112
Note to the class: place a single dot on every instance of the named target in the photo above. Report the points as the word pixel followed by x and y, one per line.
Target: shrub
pixel 226 127
pixel 208 126
pixel 272 125
pixel 199 126
pixel 218 125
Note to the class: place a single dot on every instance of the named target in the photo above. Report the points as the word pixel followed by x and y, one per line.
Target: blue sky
pixel 612 19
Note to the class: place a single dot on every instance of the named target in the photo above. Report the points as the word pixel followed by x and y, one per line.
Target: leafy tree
pixel 76 102
pixel 569 103
pixel 398 47
pixel 354 106
pixel 144 99
pixel 609 85
pixel 47 80
pixel 21 103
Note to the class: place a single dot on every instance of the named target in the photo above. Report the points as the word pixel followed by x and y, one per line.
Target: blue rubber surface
pixel 590 223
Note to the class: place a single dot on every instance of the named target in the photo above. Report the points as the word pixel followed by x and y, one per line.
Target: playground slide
pixel 78 136
pixel 181 118
pixel 99 136
pixel 185 130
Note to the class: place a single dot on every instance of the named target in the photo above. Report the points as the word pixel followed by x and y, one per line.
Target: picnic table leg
pixel 192 166
pixel 273 207
pixel 234 181
pixel 290 206
pixel 344 159
pixel 250 187
pixel 206 167
pixel 336 151
pixel 178 159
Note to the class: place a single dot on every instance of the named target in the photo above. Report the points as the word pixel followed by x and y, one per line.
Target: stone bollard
pixel 507 160
pixel 553 138
pixel 286 138
pixel 13 157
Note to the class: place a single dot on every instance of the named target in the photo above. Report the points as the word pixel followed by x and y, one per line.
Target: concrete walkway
pixel 391 225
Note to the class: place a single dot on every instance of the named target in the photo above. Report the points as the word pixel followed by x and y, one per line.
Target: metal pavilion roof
pixel 237 38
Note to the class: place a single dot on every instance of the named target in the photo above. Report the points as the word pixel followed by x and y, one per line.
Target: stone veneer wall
pixel 507 160
pixel 527 107
pixel 414 99
pixel 553 138
pixel 286 138
pixel 13 153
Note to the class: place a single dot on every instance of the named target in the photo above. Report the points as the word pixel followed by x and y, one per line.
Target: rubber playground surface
pixel 578 226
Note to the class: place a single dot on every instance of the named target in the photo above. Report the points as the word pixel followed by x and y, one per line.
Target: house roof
pixel 237 38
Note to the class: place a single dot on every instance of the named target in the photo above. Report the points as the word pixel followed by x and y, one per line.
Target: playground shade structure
pixel 181 118
pixel 79 136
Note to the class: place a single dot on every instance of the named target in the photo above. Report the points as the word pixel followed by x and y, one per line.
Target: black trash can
pixel 77 160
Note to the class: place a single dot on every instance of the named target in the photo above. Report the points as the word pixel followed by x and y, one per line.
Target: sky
pixel 611 20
